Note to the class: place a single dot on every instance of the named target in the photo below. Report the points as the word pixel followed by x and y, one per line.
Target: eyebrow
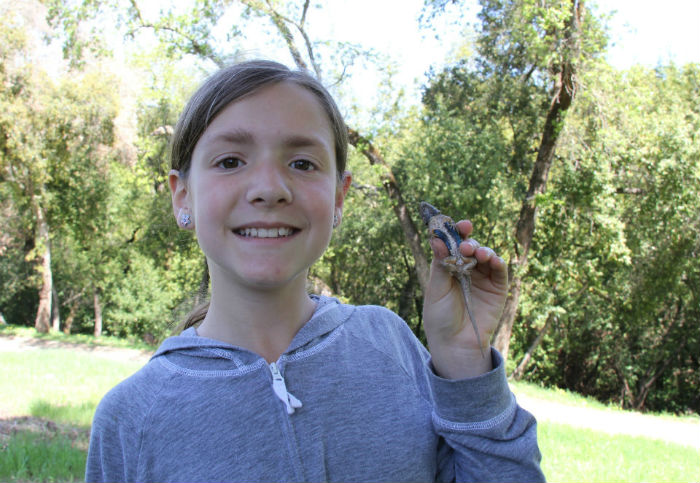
pixel 241 136
pixel 238 136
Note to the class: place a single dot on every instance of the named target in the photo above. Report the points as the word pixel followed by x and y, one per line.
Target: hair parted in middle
pixel 235 82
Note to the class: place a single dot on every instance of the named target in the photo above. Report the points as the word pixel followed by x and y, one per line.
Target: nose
pixel 269 186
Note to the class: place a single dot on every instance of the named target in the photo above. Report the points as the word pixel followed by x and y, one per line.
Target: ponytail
pixel 195 317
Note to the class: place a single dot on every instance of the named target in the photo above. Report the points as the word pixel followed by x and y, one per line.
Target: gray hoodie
pixel 352 399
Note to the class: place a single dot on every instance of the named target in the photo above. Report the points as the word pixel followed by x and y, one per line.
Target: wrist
pixel 458 362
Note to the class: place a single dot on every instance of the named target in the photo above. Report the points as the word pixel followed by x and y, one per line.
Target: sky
pixel 650 32
pixel 647 32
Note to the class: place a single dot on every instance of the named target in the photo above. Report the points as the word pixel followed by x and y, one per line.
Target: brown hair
pixel 231 84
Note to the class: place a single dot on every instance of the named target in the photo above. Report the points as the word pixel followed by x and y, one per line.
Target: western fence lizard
pixel 442 227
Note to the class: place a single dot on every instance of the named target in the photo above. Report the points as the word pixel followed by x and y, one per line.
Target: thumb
pixel 440 281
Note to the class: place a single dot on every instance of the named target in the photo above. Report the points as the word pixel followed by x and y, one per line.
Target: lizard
pixel 442 227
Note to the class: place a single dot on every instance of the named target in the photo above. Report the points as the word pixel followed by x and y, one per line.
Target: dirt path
pixel 16 344
pixel 613 421
pixel 608 421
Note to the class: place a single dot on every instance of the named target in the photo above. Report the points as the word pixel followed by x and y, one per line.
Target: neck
pixel 261 320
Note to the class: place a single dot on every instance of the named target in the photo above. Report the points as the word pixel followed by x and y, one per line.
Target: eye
pixel 229 163
pixel 302 164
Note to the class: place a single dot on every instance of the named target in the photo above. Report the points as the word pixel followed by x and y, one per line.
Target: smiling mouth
pixel 266 232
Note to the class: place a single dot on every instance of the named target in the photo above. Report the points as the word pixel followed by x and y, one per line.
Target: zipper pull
pixel 280 388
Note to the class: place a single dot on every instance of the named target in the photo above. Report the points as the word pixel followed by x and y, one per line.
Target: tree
pixel 55 138
pixel 643 126
pixel 189 34
pixel 526 51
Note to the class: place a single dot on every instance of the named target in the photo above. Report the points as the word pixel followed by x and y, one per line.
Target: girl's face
pixel 263 187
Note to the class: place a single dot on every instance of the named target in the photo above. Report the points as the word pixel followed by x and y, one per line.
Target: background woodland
pixel 584 177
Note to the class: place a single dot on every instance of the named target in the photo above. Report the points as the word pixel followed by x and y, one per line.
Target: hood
pixel 191 351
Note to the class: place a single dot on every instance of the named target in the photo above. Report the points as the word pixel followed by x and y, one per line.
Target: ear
pixel 342 190
pixel 178 191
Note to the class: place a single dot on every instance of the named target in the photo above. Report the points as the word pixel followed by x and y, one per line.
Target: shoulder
pixel 129 401
pixel 119 424
pixel 380 319
pixel 374 314
pixel 384 330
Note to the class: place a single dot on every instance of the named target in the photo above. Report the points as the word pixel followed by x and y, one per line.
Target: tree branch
pixel 202 50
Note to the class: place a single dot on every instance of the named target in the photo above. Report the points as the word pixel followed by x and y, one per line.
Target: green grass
pixel 574 454
pixel 33 457
pixel 89 340
pixel 61 387
pixel 58 389
pixel 569 398
pixel 58 383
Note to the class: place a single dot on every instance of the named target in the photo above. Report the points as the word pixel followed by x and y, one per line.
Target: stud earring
pixel 336 220
pixel 184 219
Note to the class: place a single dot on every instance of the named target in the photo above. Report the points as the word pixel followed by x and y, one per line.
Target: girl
pixel 269 383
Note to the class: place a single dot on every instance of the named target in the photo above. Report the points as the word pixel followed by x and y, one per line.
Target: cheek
pixel 210 203
pixel 323 199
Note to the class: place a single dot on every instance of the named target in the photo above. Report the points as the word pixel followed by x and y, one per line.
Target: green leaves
pixel 613 258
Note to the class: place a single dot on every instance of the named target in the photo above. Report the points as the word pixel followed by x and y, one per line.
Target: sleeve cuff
pixel 474 400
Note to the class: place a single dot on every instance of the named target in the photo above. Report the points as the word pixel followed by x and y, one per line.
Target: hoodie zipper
pixel 280 388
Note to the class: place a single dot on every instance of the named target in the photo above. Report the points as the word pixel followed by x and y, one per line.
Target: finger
pixel 468 247
pixel 439 248
pixel 499 272
pixel 491 265
pixel 440 281
pixel 484 255
pixel 465 228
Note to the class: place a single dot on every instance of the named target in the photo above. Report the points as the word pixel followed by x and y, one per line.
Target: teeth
pixel 265 232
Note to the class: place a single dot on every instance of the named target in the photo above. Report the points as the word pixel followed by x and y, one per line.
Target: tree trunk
pixel 564 91
pixel 98 314
pixel 68 324
pixel 401 210
pixel 42 323
pixel 645 383
pixel 520 370
pixel 55 313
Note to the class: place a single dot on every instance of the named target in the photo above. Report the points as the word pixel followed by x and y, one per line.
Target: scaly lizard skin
pixel 442 227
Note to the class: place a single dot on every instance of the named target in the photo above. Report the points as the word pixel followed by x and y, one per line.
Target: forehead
pixel 283 108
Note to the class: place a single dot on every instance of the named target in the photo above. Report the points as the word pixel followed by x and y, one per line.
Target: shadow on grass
pixel 72 414
pixel 35 449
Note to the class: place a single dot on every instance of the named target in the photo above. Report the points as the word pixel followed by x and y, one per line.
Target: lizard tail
pixel 466 284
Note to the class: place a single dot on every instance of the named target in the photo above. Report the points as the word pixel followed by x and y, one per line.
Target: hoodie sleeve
pixel 111 444
pixel 117 429
pixel 488 436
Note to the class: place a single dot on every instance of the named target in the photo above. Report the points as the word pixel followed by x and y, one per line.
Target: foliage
pixel 615 262
pixel 650 148
pixel 620 205
pixel 55 154
pixel 62 156
pixel 612 279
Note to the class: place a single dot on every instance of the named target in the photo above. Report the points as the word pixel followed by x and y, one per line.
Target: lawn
pixel 581 455
pixel 54 392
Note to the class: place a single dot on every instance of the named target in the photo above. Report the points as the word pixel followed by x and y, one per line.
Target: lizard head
pixel 427 211
pixel 439 225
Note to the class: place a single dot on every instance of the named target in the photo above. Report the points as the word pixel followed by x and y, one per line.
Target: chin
pixel 267 283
